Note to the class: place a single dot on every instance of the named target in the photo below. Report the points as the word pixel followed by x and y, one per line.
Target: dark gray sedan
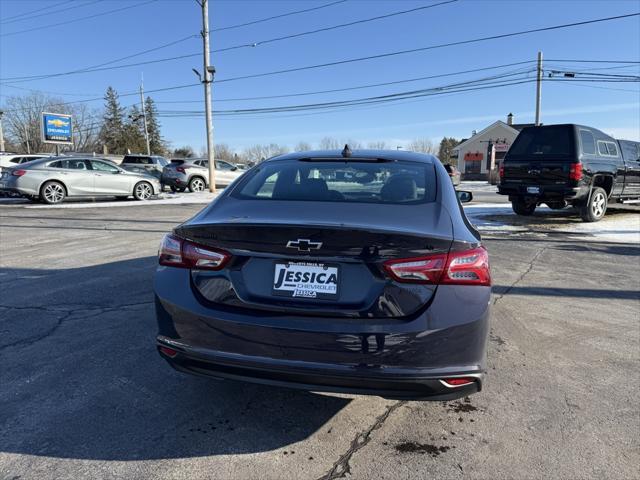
pixel 295 277
pixel 53 179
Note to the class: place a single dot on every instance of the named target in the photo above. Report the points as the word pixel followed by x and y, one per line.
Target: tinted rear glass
pixel 544 142
pixel 331 181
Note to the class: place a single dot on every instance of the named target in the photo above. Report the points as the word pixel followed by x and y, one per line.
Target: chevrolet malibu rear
pixel 326 271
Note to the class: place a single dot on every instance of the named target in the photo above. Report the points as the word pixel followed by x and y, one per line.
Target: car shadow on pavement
pixel 81 377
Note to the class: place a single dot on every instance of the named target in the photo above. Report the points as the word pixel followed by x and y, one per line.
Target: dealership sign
pixel 56 128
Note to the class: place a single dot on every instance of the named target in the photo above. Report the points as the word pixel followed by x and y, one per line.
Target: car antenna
pixel 346 151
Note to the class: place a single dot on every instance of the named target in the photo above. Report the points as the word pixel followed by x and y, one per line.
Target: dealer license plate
pixel 306 280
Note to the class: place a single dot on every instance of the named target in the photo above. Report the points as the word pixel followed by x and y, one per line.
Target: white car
pixel 11 160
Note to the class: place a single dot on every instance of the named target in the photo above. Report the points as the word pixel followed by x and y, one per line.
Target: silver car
pixel 193 173
pixel 53 179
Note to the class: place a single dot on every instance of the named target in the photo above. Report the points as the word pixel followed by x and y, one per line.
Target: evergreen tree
pixel 447 144
pixel 111 133
pixel 156 142
pixel 133 132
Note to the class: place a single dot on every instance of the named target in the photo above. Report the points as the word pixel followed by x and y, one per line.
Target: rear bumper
pixel 400 383
pixel 546 192
pixel 173 181
pixel 388 357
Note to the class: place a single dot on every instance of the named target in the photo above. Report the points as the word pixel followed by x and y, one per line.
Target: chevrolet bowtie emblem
pixel 304 245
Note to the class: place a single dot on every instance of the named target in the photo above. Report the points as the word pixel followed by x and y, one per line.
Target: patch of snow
pixel 477 186
pixel 494 218
pixel 162 199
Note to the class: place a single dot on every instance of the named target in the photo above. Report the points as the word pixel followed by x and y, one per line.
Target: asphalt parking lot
pixel 83 392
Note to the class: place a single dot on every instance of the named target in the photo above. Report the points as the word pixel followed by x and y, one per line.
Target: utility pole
pixel 538 88
pixel 144 117
pixel 208 80
pixel 1 133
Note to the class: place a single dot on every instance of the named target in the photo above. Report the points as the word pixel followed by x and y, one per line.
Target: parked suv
pixel 193 173
pixel 151 164
pixel 562 165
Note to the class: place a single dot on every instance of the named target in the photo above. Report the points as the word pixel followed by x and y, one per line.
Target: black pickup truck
pixel 562 165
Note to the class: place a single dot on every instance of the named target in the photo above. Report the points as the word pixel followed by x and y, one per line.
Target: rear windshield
pixel 544 142
pixel 336 181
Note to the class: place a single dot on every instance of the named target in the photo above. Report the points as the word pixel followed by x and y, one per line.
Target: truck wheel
pixel 523 207
pixel 596 207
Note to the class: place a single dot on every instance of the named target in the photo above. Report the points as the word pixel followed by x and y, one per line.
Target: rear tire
pixel 522 207
pixel 142 191
pixel 197 184
pixel 595 207
pixel 52 193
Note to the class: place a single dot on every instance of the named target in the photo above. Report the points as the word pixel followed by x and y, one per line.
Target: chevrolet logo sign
pixel 57 122
pixel 304 245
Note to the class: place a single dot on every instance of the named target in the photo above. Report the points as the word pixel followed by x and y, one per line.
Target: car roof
pixel 364 154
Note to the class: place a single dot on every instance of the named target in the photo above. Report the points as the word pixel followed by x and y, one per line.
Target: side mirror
pixel 233 169
pixel 464 196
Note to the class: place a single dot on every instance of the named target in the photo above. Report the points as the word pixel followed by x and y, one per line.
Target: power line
pixel 97 67
pixel 431 47
pixel 6 20
pixel 346 61
pixel 59 10
pixel 51 25
pixel 359 87
pixel 596 61
pixel 262 42
pixel 461 86
pixel 332 27
pixel 254 22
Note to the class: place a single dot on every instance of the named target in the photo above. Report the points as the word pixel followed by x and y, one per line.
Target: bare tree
pixel 302 147
pixel 329 143
pixel 257 153
pixel 24 122
pixel 379 145
pixel 223 152
pixel 423 145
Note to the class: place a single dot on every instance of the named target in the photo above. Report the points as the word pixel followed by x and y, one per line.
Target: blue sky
pixel 612 107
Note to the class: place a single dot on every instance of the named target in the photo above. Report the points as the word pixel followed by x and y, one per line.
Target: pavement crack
pixel 521 277
pixel 341 467
pixel 92 311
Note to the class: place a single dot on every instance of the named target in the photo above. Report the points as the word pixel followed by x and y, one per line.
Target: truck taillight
pixel 501 171
pixel 178 252
pixel 575 171
pixel 467 267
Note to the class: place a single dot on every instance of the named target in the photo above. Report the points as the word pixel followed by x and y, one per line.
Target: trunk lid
pixel 268 239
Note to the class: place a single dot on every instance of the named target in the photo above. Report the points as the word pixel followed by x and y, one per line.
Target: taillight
pixel 417 270
pixel 501 171
pixel 178 252
pixel 18 173
pixel 575 171
pixel 468 267
pixel 180 169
